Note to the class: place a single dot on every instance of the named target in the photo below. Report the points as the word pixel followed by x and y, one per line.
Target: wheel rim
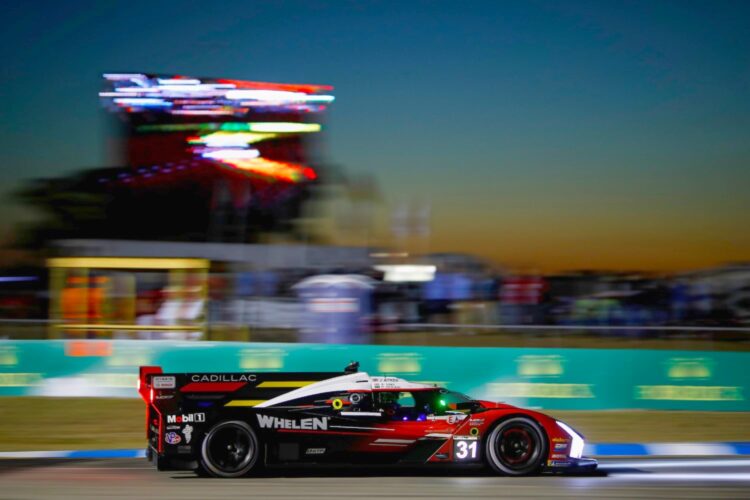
pixel 516 446
pixel 230 449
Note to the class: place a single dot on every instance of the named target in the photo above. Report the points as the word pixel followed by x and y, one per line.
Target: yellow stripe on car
pixel 245 402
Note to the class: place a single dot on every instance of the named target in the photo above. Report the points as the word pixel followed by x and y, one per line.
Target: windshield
pixel 448 400
pixel 417 405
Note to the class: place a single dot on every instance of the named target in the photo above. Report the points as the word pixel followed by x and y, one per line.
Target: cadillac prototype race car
pixel 233 424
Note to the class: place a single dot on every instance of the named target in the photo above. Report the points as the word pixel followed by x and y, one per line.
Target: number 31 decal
pixel 465 449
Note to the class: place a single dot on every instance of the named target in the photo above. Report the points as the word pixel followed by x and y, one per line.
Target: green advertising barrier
pixel 580 379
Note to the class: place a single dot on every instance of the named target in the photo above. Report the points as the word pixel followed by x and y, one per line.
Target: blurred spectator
pixel 520 299
pixel 336 306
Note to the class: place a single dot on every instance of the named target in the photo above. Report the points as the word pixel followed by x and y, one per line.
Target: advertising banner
pixel 575 379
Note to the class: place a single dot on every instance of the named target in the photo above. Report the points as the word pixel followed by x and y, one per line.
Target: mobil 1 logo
pixel 186 417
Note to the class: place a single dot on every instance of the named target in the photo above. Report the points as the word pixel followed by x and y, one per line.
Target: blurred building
pixel 232 256
pixel 200 160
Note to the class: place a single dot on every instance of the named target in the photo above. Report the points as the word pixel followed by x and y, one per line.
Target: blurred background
pixel 537 202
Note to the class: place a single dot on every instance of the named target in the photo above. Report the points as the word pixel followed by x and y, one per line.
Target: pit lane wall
pixel 576 379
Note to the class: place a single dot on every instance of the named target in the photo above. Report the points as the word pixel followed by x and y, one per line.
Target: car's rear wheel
pixel 516 447
pixel 230 449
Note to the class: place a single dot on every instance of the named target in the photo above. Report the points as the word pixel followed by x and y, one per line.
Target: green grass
pixel 90 423
pixel 70 423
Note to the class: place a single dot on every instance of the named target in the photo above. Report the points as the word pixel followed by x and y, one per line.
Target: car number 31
pixel 465 449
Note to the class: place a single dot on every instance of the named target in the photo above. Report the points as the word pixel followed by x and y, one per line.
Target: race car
pixel 233 424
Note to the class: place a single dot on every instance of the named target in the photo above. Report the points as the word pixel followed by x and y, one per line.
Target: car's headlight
pixel 576 445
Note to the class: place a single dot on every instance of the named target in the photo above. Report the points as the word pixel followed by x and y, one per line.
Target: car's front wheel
pixel 516 447
pixel 230 449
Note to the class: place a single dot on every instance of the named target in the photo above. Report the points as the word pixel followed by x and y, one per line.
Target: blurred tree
pixel 63 210
pixel 204 204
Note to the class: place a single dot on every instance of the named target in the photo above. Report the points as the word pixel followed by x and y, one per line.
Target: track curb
pixel 87 454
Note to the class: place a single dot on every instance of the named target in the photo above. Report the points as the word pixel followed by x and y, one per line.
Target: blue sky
pixel 581 127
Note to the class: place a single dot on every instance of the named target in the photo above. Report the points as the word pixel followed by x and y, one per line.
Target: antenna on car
pixel 352 367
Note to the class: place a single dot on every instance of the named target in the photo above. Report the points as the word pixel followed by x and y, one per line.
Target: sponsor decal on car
pixel 186 417
pixel 173 427
pixel 385 382
pixel 172 438
pixel 451 419
pixel 187 431
pixel 560 446
pixel 560 440
pixel 224 377
pixel 315 451
pixel 476 421
pixel 163 382
pixel 558 455
pixel 164 396
pixel 558 463
pixel 269 422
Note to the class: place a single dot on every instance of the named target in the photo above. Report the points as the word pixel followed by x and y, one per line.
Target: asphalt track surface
pixel 135 478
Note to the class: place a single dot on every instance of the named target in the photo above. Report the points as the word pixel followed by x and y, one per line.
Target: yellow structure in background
pixel 82 304
pixel 138 263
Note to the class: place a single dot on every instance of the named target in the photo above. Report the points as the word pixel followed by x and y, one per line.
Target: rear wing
pixel 152 379
pixel 153 382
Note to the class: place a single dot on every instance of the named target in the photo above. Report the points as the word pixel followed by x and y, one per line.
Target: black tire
pixel 201 471
pixel 516 447
pixel 230 449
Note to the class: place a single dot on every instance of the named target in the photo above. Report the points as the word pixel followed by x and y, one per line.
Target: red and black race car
pixel 232 424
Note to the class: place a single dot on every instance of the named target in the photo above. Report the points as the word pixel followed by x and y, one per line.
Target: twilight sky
pixel 554 135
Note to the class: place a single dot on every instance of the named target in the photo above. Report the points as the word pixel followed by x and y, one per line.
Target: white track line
pixel 662 464
pixel 685 476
